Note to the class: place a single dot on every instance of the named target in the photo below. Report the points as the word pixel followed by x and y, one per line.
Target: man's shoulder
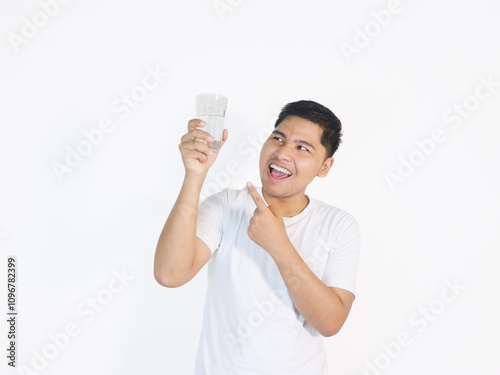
pixel 330 211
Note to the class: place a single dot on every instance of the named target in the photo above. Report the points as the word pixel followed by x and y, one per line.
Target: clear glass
pixel 215 127
pixel 211 108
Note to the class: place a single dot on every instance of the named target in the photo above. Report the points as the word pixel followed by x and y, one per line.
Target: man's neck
pixel 289 206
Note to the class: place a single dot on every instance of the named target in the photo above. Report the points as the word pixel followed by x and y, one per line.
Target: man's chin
pixel 275 189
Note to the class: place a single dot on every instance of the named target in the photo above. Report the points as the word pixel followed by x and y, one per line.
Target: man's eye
pixel 278 138
pixel 303 148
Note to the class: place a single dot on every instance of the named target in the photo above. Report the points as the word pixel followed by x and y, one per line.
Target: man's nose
pixel 284 153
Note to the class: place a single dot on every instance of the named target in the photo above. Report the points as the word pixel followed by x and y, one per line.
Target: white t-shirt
pixel 250 324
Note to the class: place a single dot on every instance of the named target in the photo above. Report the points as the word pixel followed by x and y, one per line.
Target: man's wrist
pixel 281 252
pixel 195 179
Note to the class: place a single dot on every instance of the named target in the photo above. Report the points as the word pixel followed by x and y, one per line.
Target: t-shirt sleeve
pixel 210 219
pixel 342 263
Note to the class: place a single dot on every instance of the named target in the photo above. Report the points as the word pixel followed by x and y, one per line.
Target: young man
pixel 282 265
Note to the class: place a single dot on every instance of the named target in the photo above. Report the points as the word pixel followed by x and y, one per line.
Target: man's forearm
pixel 320 306
pixel 176 245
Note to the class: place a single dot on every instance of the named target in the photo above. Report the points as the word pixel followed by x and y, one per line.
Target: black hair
pixel 320 115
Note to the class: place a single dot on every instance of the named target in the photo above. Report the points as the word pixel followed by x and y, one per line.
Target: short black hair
pixel 320 115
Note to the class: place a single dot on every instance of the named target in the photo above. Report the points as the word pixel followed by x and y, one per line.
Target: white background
pixel 435 226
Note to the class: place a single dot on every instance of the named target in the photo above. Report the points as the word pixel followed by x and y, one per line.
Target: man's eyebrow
pixel 297 141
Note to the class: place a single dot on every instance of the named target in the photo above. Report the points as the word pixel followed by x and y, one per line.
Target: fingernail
pixel 249 184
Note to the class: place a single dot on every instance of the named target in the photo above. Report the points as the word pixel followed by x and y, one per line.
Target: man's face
pixel 291 157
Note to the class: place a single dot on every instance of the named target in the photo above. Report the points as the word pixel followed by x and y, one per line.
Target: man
pixel 282 264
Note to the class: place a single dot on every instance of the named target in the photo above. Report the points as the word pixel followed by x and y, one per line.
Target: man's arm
pixel 324 308
pixel 176 247
pixel 179 253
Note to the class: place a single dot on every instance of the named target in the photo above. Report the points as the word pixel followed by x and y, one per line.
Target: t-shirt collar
pixel 293 219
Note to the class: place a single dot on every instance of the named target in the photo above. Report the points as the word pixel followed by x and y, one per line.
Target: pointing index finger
pixel 256 197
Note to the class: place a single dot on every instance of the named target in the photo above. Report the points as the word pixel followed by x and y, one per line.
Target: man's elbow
pixel 163 280
pixel 160 279
pixel 333 329
pixel 330 333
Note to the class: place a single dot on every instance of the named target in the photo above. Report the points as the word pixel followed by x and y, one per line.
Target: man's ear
pixel 325 168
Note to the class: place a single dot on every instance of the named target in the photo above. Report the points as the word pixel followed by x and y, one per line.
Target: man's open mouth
pixel 279 172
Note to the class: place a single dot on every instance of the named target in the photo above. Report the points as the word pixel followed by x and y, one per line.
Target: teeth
pixel 274 166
